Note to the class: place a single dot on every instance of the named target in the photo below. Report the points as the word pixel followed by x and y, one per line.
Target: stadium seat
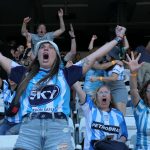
pixel 131 127
pixel 1 106
pixel 71 125
pixel 82 129
pixel 7 142
pixel 129 112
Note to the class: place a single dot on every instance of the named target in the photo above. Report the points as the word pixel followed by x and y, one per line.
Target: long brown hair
pixel 33 70
pixel 143 92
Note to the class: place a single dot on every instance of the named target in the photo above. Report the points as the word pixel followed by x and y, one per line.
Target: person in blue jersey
pixel 44 95
pixel 10 125
pixel 115 80
pixel 104 121
pixel 141 104
pixel 98 69
pixel 90 88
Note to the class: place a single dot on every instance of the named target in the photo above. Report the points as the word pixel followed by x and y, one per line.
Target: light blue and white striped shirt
pixel 51 96
pixel 142 119
pixel 103 123
pixel 7 95
pixel 119 70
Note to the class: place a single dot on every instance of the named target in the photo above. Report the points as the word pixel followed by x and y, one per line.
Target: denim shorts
pixel 44 134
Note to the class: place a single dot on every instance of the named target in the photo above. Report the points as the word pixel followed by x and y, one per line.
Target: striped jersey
pixel 51 96
pixel 103 123
pixel 7 95
pixel 91 87
pixel 118 70
pixel 142 119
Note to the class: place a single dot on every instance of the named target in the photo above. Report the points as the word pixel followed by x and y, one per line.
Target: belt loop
pixel 53 116
pixel 30 116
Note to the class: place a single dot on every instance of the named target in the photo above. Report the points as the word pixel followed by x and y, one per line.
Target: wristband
pixel 133 74
pixel 73 37
pixel 113 62
pixel 101 78
pixel 118 39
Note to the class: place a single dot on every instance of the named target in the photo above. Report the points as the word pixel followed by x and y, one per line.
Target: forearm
pixel 62 24
pixel 133 88
pixel 24 29
pixel 102 51
pixel 71 54
pixel 125 43
pixel 73 46
pixel 5 63
pixel 91 44
pixel 80 92
pixel 104 65
pixel 106 79
pixel 61 29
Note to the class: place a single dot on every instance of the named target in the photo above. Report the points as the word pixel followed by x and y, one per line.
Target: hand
pixel 93 79
pixel 133 63
pixel 71 32
pixel 94 37
pixel 69 63
pixel 120 31
pixel 60 12
pixel 26 20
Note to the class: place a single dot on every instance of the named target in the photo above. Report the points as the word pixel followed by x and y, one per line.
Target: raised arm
pixel 62 25
pixel 134 67
pixel 107 64
pixel 80 92
pixel 148 46
pixel 5 63
pixel 91 44
pixel 125 43
pixel 113 77
pixel 102 51
pixel 71 54
pixel 28 40
pixel 24 30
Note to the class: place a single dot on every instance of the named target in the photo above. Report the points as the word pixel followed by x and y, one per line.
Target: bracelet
pixel 73 37
pixel 101 78
pixel 118 39
pixel 113 62
pixel 133 74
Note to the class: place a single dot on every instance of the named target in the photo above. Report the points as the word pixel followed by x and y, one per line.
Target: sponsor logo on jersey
pixel 46 95
pixel 106 128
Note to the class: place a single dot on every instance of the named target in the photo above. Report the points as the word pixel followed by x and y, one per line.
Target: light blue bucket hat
pixel 37 47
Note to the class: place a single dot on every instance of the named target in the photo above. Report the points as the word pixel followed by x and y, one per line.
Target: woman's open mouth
pixel 104 99
pixel 45 57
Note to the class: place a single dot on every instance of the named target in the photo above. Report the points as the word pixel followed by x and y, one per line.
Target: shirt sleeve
pixel 117 69
pixel 14 64
pixel 73 74
pixel 139 108
pixel 87 106
pixel 50 36
pixel 17 73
